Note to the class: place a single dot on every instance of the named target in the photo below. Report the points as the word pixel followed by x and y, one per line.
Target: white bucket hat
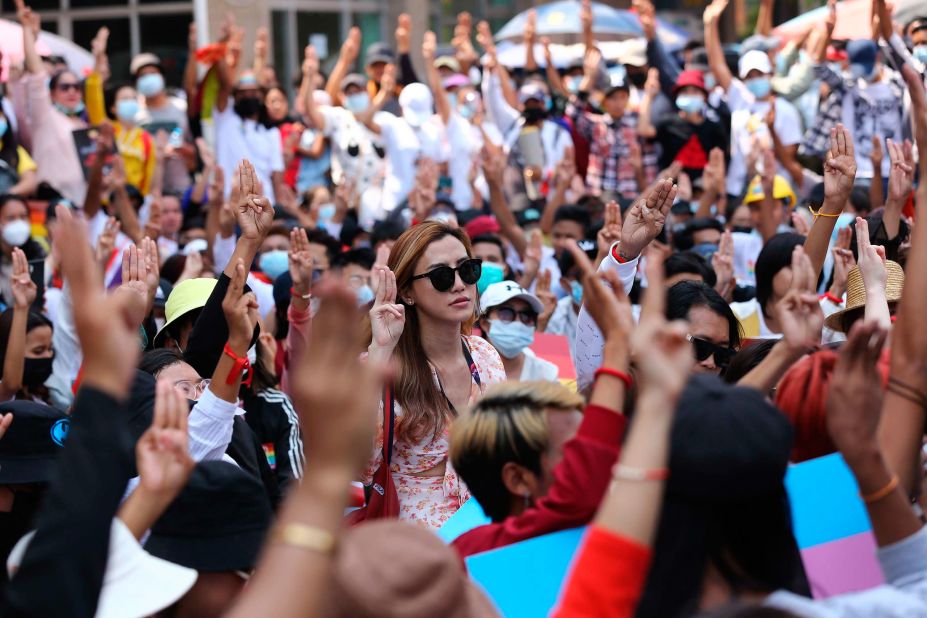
pixel 136 584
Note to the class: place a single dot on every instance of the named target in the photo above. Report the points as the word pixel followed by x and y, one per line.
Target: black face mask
pixel 743 229
pixel 638 79
pixel 36 371
pixel 534 114
pixel 248 107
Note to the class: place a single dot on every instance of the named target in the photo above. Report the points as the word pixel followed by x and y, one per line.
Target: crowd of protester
pixel 257 348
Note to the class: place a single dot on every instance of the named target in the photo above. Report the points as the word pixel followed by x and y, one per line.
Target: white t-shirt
pixel 404 146
pixel 872 109
pixel 538 369
pixel 364 167
pixel 238 139
pixel 748 122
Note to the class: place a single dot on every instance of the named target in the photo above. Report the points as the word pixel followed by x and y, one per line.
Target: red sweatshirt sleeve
pixel 607 579
pixel 580 481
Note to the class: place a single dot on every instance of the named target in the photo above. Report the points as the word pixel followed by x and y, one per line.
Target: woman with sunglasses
pixel 50 108
pixel 509 320
pixel 420 322
pixel 714 330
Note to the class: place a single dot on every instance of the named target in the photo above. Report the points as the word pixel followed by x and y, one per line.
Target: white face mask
pixel 16 233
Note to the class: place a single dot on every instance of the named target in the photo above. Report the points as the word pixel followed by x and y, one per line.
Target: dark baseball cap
pixel 379 52
pixel 32 444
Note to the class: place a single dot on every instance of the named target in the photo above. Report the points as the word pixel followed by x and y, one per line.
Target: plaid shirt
pixel 609 167
pixel 816 141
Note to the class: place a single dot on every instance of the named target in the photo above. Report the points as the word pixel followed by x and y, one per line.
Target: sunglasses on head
pixel 66 87
pixel 443 277
pixel 507 314
pixel 704 349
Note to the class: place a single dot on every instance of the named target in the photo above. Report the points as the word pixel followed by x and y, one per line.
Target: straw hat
pixel 856 292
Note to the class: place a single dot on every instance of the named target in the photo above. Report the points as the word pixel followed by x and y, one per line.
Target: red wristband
pixel 241 365
pixel 615 373
pixel 832 298
pixel 617 255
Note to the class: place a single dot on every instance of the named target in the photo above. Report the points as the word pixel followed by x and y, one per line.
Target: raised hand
pixel 107 240
pixel 854 401
pixel 800 223
pixel 310 62
pixel 713 11
pixel 662 355
pixel 24 289
pixel 255 212
pixel 161 454
pixel 387 317
pixel 403 31
pixel 871 260
pixel 645 218
pixel 388 81
pixel 722 262
pixel 429 46
pixel 300 261
pixel 140 277
pixel 531 27
pixel 240 309
pixel 843 264
pixel 351 46
pixel 652 85
pixel 548 299
pixel 548 55
pixel 566 169
pixel 830 22
pixel 768 173
pixel 901 174
pixel 484 38
pixel 839 165
pixel 494 164
pixel 611 229
pixel 647 16
pixel 153 225
pixel 799 312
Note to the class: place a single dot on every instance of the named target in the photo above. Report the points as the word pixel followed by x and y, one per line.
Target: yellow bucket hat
pixel 856 292
pixel 185 297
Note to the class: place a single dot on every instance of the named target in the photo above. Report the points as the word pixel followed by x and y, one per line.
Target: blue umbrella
pixel 561 23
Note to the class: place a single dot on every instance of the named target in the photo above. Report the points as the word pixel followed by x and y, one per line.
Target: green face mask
pixel 492 273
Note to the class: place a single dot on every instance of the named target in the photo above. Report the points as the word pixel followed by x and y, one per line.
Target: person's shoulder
pixel 785 107
pixel 484 355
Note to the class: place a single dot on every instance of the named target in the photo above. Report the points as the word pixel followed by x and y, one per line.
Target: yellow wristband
pixel 305 537
pixel 818 213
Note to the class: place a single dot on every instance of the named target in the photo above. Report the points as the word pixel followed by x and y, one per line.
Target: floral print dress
pixel 431 500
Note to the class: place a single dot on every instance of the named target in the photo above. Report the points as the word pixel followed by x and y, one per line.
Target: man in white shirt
pixel 241 134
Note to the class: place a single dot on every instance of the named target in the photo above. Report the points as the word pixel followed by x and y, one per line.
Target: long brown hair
pixel 424 409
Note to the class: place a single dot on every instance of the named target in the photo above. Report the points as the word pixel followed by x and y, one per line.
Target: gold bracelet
pixel 882 493
pixel 305 537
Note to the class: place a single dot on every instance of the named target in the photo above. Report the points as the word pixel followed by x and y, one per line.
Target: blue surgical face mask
pixel 920 52
pixel 150 85
pixel 690 103
pixel 274 263
pixel 491 273
pixel 126 110
pixel 364 295
pixel 576 291
pixel 510 338
pixel 75 111
pixel 327 212
pixel 357 103
pixel 572 83
pixel 705 249
pixel 758 86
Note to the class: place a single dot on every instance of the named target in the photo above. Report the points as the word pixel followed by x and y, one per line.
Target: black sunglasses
pixel 66 87
pixel 443 277
pixel 507 314
pixel 704 349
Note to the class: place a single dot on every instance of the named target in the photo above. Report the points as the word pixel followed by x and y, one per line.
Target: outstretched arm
pixel 713 43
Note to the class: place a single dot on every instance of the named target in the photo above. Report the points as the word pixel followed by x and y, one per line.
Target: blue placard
pixel 825 501
pixel 524 579
pixel 467 517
